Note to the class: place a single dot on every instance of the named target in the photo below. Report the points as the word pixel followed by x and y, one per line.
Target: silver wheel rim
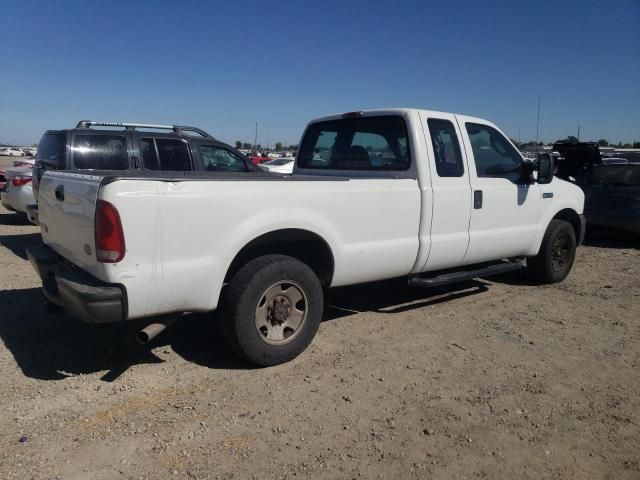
pixel 281 312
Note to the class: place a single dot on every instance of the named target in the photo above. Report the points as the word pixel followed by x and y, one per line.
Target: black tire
pixel 557 252
pixel 242 300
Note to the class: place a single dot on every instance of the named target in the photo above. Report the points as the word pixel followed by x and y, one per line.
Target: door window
pixel 167 154
pixel 493 153
pixel 218 159
pixel 100 152
pixel 446 148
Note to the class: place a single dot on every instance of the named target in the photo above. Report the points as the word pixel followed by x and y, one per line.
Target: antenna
pixel 538 126
pixel 255 140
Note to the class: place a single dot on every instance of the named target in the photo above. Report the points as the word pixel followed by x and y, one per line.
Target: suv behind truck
pixel 132 147
pixel 430 196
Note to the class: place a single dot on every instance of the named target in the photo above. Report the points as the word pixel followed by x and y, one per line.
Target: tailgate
pixel 67 205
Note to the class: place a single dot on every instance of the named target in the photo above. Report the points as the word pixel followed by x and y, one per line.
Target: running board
pixel 460 276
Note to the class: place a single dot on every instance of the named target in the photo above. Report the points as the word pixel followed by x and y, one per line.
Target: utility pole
pixel 519 141
pixel 255 140
pixel 578 132
pixel 267 137
pixel 538 126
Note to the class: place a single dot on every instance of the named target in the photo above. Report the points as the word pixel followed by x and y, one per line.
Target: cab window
pixel 368 143
pixel 446 148
pixel 493 153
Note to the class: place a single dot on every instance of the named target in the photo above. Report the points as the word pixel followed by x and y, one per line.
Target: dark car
pixel 130 147
pixel 612 197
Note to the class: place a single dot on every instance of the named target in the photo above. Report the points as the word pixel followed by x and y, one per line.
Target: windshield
pixel 625 175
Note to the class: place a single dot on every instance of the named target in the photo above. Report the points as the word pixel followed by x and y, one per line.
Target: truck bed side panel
pixel 181 236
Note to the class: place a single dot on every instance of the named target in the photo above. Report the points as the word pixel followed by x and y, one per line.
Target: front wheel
pixel 272 309
pixel 557 252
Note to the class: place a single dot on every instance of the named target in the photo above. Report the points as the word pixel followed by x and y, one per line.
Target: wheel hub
pixel 281 312
pixel 278 311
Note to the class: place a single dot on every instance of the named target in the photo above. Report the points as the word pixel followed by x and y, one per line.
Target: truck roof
pixel 386 111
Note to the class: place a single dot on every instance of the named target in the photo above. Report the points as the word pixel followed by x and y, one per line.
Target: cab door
pixel 505 205
pixel 451 189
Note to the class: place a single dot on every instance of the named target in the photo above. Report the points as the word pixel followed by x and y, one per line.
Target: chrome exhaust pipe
pixel 153 330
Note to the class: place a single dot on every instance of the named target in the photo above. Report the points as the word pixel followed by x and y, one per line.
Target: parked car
pixel 257 160
pixel 279 165
pixel 451 199
pixel 614 161
pixel 3 180
pixel 612 197
pixel 18 191
pixel 133 147
pixel 24 162
pixel 30 151
pixel 11 152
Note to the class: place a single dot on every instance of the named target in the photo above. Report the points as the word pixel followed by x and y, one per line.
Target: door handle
pixel 477 199
pixel 60 193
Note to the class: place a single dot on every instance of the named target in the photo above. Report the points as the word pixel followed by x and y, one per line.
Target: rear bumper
pixel 82 295
pixel 17 198
pixel 32 214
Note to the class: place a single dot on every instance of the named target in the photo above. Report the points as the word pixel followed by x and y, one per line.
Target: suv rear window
pixel 369 143
pixel 100 152
pixel 52 149
pixel 166 154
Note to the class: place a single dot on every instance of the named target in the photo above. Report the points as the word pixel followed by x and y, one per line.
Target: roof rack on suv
pixel 179 129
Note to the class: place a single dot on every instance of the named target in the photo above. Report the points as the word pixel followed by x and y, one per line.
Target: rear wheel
pixel 272 309
pixel 557 252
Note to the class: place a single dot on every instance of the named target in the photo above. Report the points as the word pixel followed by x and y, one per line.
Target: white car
pixel 11 152
pixel 433 197
pixel 18 193
pixel 279 165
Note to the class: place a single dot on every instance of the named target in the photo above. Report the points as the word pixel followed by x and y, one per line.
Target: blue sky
pixel 224 65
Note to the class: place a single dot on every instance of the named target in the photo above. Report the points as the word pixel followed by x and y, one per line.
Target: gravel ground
pixel 488 379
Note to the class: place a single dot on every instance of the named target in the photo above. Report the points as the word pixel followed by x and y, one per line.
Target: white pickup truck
pixel 434 197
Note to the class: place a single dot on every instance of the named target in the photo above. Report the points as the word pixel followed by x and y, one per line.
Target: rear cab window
pixel 100 152
pixel 52 150
pixel 378 143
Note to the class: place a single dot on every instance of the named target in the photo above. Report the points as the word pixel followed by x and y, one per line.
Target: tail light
pixel 20 181
pixel 109 233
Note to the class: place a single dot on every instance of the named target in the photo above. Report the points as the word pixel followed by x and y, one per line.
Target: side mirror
pixel 546 167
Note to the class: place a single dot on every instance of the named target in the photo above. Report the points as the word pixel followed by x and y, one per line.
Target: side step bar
pixel 460 276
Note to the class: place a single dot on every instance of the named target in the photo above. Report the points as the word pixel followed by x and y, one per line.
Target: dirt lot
pixel 489 379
